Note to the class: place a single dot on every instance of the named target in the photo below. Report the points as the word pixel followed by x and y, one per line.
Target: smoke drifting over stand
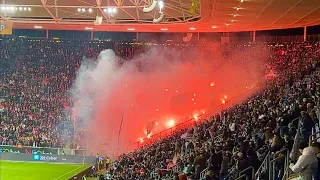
pixel 165 85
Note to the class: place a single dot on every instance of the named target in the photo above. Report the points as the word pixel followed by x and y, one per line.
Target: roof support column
pixel 254 36
pixel 47 34
pixel 198 36
pixel 305 33
pixel 137 37
pixel 91 35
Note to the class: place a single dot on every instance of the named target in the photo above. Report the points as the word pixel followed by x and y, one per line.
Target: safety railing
pixel 313 138
pixel 155 175
pixel 277 156
pixel 243 172
pixel 264 165
pixel 203 174
pixel 243 176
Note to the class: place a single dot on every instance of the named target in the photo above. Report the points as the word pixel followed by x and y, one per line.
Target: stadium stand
pixel 234 143
pixel 222 147
pixel 29 114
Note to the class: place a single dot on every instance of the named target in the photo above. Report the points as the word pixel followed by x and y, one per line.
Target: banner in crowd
pixel 29 150
pixel 6 27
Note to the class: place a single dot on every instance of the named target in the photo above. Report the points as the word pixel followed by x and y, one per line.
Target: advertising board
pixel 29 150
pixel 47 158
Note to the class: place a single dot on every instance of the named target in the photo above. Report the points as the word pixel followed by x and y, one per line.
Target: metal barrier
pixel 313 138
pixel 203 174
pixel 155 175
pixel 243 176
pixel 263 166
pixel 247 169
pixel 272 165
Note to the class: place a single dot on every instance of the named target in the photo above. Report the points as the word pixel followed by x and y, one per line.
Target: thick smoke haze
pixel 113 103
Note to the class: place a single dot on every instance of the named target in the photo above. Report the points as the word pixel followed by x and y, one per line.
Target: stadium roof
pixel 209 15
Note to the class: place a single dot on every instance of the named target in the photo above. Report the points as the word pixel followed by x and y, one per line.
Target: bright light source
pixel 167 89
pixel 192 99
pixel 171 123
pixel 88 28
pixel 114 10
pixel 194 103
pixel 203 112
pixel 164 29
pixel 157 110
pixel 37 27
pixel 212 84
pixel 130 29
pixel 223 101
pixel 225 96
pixel 234 15
pixel 25 8
pixel 157 124
pixel 11 8
pixel 232 20
pixel 192 28
pixel 227 24
pixel 148 136
pixel 3 8
pixel 214 27
pixel 161 4
pixel 105 10
pixel 237 8
pixel 79 9
pixel 241 1
pixel 195 117
pixel 194 94
pixel 29 9
pixel 109 10
pixel 90 10
pixel 7 8
pixel 83 10
pixel 141 139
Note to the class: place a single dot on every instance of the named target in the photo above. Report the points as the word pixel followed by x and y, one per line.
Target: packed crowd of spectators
pixel 34 78
pixel 244 134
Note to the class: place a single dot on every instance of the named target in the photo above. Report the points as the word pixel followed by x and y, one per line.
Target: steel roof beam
pixel 44 4
pixel 102 12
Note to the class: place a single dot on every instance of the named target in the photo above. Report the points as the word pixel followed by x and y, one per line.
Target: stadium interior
pixel 160 89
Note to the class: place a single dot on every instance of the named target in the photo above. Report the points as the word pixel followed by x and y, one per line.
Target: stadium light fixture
pixel 90 10
pixel 150 8
pixel 241 1
pixel 25 8
pixel 29 9
pixel 161 4
pixel 237 8
pixel 130 29
pixel 83 10
pixel 159 19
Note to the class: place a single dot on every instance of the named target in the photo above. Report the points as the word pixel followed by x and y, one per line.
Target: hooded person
pixel 307 163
